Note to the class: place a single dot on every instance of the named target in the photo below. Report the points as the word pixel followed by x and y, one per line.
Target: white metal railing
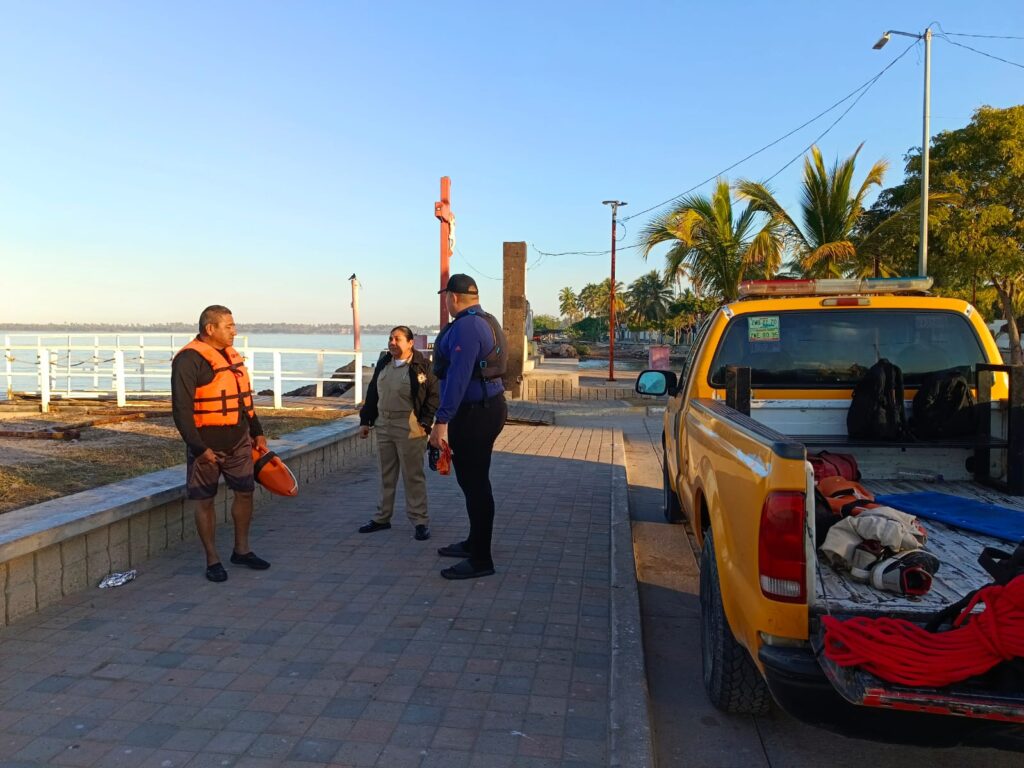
pixel 111 366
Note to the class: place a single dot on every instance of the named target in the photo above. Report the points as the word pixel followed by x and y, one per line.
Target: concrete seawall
pixel 69 544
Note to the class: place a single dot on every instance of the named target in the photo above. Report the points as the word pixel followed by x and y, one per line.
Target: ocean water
pixel 79 365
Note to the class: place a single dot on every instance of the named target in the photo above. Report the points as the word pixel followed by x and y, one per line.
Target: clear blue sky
pixel 157 157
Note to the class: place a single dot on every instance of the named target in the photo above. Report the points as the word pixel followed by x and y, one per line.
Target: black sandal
pixel 216 572
pixel 458 549
pixel 466 570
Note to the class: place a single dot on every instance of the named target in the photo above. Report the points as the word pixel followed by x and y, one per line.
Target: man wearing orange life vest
pixel 213 410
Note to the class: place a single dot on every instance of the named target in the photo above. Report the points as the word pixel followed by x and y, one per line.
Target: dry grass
pixel 32 471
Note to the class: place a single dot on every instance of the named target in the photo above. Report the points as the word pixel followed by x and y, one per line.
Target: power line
pixel 862 88
pixel 945 36
pixel 845 112
pixel 583 253
pixel 472 267
pixel 858 92
pixel 990 37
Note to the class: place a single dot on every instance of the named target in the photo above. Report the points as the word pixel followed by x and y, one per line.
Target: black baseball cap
pixel 460 283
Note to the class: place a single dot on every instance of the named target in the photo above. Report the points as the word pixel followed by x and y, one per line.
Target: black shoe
pixel 373 525
pixel 250 559
pixel 216 572
pixel 454 550
pixel 422 533
pixel 466 570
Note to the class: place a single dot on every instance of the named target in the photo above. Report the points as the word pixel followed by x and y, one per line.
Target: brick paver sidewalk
pixel 350 650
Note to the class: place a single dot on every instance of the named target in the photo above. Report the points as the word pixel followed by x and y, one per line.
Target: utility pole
pixel 443 213
pixel 355 311
pixel 615 204
pixel 926 36
pixel 922 259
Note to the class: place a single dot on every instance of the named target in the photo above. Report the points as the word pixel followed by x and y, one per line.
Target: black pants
pixel 471 435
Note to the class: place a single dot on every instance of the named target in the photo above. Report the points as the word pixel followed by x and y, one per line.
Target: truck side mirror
pixel 656 383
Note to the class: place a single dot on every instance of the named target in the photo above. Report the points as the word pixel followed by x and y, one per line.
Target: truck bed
pixel 956 549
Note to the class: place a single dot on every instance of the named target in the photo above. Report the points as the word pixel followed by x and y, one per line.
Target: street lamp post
pixel 922 257
pixel 615 204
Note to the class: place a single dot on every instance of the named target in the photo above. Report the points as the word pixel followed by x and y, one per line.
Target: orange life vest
pixel 219 403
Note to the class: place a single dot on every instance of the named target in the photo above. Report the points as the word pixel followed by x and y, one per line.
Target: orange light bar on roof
pixel 776 288
pixel 833 287
pixel 894 284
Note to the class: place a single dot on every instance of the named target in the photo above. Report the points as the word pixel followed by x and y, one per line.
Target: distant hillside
pixel 247 328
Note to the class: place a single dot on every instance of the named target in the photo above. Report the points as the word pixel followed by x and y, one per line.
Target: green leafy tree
pixel 647 301
pixel 712 246
pixel 589 328
pixel 546 323
pixel 983 235
pixel 569 305
pixel 688 310
pixel 823 243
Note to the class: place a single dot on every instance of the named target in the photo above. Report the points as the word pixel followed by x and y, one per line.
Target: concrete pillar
pixel 513 318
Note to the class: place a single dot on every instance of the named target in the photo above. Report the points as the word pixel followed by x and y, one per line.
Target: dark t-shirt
pixel 189 371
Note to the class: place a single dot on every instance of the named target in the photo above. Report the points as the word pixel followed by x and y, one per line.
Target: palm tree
pixel 604 297
pixel 711 246
pixel 569 304
pixel 590 300
pixel 647 300
pixel 823 244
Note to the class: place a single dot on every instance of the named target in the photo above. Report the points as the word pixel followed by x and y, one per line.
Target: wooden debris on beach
pixel 73 431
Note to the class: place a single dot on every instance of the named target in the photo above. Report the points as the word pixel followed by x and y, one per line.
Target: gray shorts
pixel 235 465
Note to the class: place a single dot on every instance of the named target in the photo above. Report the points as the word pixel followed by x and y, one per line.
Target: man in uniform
pixel 469 357
pixel 213 410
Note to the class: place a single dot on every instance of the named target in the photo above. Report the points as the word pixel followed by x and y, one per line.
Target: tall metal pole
pixel 611 309
pixel 922 258
pixel 443 212
pixel 355 312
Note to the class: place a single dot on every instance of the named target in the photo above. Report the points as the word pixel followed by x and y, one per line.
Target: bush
pixel 581 349
pixel 590 328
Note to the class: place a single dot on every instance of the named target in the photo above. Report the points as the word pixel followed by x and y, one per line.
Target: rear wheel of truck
pixel 732 681
pixel 669 502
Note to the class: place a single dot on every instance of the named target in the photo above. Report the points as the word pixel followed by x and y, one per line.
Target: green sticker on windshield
pixel 763 328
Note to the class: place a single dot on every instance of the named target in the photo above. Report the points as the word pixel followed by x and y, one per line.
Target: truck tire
pixel 733 683
pixel 669 501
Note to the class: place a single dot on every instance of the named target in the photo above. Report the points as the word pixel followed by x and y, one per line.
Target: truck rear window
pixel 835 348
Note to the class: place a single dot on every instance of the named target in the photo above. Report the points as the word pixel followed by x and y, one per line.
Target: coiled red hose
pixel 900 651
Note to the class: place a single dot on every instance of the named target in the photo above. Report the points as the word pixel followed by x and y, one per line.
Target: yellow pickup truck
pixel 768 379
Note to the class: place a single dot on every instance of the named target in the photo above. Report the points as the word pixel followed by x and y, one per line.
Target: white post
pixel 119 377
pixel 53 371
pixel 44 380
pixel 8 367
pixel 320 373
pixel 142 362
pixel 357 388
pixel 69 366
pixel 277 379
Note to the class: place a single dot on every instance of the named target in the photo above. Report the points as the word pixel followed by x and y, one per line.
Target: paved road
pixel 689 732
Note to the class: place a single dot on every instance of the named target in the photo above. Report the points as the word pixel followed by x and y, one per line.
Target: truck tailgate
pixel 990 697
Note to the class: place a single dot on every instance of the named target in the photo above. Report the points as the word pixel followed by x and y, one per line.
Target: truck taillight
pixel 781 558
